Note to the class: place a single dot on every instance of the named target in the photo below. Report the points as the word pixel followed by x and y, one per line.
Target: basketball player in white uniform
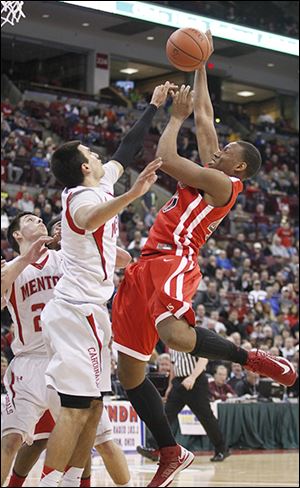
pixel 18 282
pixel 27 285
pixel 76 325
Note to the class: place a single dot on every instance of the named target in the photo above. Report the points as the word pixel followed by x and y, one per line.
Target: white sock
pixel 72 477
pixel 51 479
pixel 129 483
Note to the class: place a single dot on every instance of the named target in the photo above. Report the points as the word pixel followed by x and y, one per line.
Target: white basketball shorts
pixel 27 396
pixel 77 339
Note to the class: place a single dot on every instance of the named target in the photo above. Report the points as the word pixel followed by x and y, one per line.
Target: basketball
pixel 187 48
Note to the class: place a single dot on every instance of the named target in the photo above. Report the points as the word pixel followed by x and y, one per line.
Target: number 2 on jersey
pixel 37 318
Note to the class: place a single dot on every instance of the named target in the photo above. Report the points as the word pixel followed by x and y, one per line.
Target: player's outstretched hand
pixel 37 249
pixel 183 103
pixel 145 179
pixel 211 42
pixel 160 93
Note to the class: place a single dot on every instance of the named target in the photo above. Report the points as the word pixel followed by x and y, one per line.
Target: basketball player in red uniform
pixel 154 299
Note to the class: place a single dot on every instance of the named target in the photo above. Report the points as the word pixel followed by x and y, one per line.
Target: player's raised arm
pixel 213 182
pixel 93 216
pixel 10 271
pixel 204 114
pixel 133 141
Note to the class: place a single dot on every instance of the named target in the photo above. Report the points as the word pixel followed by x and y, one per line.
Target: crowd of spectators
pixel 276 17
pixel 249 291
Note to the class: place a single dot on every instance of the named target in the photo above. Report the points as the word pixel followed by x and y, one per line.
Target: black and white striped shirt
pixel 183 363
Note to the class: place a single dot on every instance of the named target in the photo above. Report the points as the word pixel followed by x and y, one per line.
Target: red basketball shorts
pixel 152 290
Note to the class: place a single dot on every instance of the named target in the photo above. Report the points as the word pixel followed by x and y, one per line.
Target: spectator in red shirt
pixel 285 233
pixel 20 193
pixel 218 388
pixel 6 107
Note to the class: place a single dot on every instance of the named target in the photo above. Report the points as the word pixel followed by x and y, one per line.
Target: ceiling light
pixel 218 120
pixel 245 93
pixel 85 24
pixel 129 71
pixel 150 38
pixel 45 16
pixel 270 65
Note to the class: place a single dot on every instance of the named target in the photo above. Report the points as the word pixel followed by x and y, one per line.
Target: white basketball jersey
pixel 26 299
pixel 89 257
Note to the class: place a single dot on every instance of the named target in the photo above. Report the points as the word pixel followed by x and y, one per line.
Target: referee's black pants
pixel 198 401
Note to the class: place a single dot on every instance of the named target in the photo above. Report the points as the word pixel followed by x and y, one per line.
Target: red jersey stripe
pixel 98 236
pixel 13 301
pixel 70 221
pixel 12 388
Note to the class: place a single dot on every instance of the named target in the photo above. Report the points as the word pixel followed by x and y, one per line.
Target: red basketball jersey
pixel 186 221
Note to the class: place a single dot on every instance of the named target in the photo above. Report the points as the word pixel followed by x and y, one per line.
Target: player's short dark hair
pixel 13 226
pixel 52 222
pixel 252 157
pixel 66 164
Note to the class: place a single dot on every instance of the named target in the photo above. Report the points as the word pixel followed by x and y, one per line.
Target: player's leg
pixel 200 342
pixel 174 404
pixel 145 398
pixel 24 405
pixel 135 337
pixel 148 404
pixel 81 452
pixel 10 444
pixel 74 372
pixel 115 462
pixel 75 428
pixel 179 335
pixel 86 475
pixel 26 458
pixel 112 455
pixel 62 442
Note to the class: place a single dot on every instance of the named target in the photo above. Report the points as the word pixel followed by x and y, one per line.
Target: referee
pixel 189 386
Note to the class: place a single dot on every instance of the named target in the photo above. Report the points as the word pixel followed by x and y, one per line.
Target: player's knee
pixel 124 380
pixel 176 334
pixel 131 371
pixel 168 334
pixel 11 443
pixel 107 448
pixel 130 381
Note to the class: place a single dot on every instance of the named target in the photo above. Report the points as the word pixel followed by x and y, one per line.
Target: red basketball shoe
pixel 275 367
pixel 172 460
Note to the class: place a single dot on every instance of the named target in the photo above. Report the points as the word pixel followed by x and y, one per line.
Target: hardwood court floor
pixel 257 469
